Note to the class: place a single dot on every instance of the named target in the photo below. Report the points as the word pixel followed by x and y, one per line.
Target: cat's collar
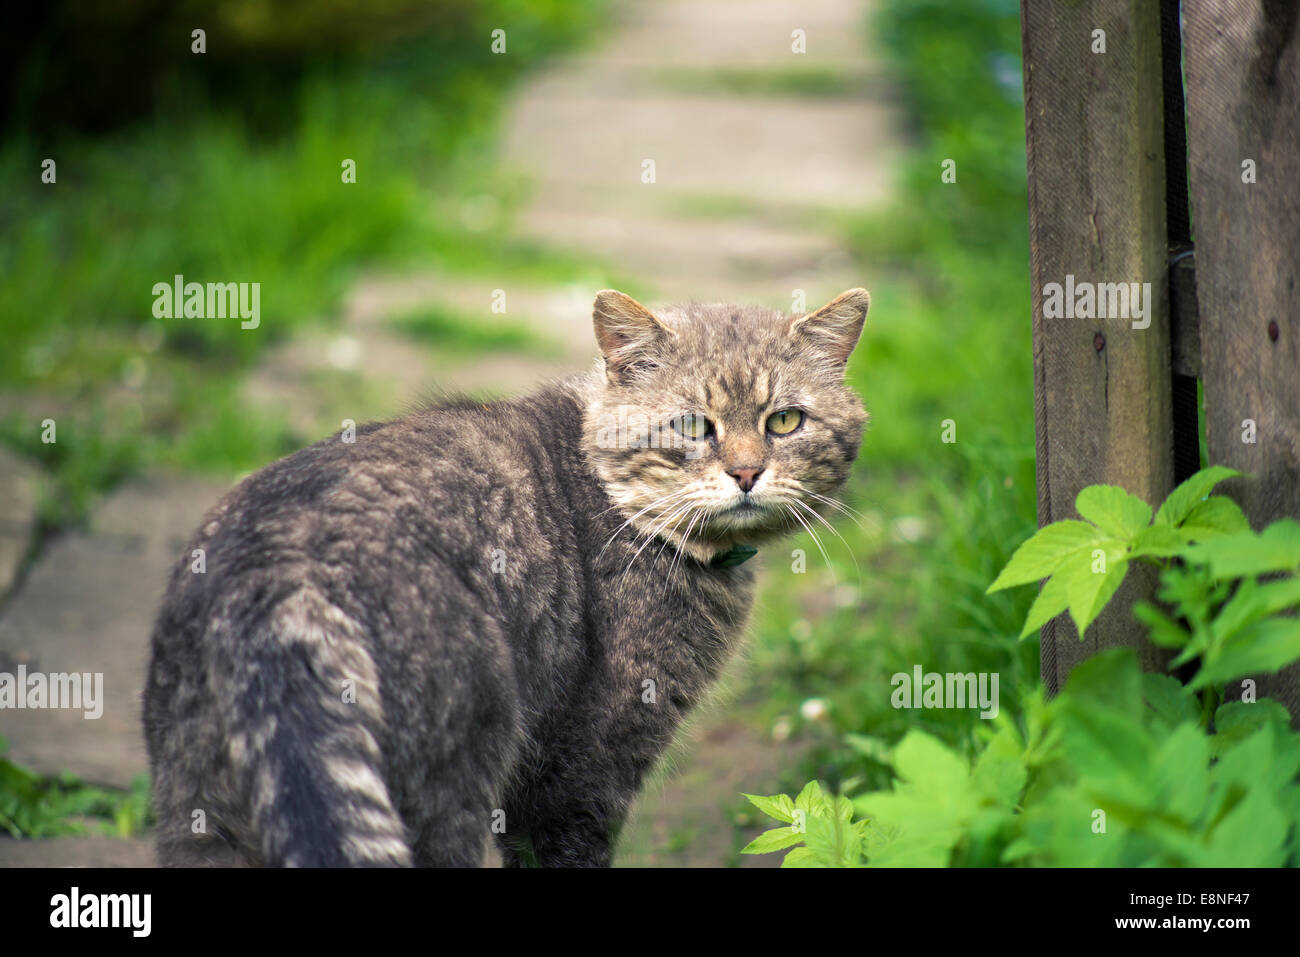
pixel 735 555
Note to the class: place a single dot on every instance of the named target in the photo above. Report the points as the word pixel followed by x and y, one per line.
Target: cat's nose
pixel 745 478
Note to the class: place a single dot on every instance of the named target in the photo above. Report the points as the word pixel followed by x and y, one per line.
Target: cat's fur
pixel 477 615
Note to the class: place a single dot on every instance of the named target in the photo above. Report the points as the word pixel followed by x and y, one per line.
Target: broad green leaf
pixel 926 835
pixel 1268 759
pixel 777 839
pixel 1111 678
pixel 800 857
pixel 1107 747
pixel 928 764
pixel 930 807
pixel 1263 647
pixel 1253 602
pixel 1183 499
pixel 1055 831
pixel 1044 552
pixel 1157 541
pixel 812 800
pixel 1213 518
pixel 833 841
pixel 1179 772
pixel 843 808
pixel 999 774
pixel 1168 700
pixel 1088 590
pixel 1275 549
pixel 1235 721
pixel 1252 835
pixel 1113 510
pixel 778 806
pixel 1052 599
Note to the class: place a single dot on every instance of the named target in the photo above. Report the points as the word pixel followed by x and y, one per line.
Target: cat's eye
pixel 784 422
pixel 693 426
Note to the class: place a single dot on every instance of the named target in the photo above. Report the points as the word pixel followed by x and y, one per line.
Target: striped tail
pixel 304 741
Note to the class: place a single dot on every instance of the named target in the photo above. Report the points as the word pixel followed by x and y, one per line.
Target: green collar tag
pixel 736 555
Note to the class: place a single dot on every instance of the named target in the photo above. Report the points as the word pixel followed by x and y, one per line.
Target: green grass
pixel 36 805
pixel 820 83
pixel 456 334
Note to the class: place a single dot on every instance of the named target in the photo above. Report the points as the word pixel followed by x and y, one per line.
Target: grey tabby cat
pixel 489 618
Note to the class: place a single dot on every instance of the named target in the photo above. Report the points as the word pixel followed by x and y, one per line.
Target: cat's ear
pixel 835 327
pixel 629 335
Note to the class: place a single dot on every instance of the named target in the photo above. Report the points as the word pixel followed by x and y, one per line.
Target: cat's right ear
pixel 629 335
pixel 835 327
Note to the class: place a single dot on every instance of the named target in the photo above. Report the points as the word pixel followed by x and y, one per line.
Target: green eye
pixel 693 426
pixel 784 422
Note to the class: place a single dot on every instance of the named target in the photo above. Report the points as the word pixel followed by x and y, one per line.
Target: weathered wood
pixel 1094 130
pixel 1242 62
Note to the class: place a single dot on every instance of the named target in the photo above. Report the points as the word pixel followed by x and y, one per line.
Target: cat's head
pixel 719 425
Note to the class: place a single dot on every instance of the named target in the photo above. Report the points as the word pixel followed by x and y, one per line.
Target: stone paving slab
pixel 88 606
pixel 78 852
pixel 735 33
pixel 705 253
pixel 822 152
pixel 18 484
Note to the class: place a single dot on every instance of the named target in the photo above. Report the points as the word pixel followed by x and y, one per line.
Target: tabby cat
pixel 485 620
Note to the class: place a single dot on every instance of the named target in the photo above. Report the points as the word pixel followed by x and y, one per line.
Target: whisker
pixel 651 536
pixel 662 500
pixel 678 559
pixel 852 513
pixel 834 531
pixel 816 540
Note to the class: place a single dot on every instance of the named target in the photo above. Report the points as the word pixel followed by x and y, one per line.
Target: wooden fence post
pixel 1102 388
pixel 1243 91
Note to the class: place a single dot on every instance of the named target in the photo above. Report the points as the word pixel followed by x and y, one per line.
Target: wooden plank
pixel 1094 130
pixel 1242 60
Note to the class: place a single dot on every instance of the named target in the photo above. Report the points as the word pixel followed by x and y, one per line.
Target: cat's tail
pixel 304 741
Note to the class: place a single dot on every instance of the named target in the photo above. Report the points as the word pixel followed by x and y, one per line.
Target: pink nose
pixel 745 478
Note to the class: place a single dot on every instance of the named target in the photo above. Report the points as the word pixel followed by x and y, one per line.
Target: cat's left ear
pixel 836 326
pixel 629 335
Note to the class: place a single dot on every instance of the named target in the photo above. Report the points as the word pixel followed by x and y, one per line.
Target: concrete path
pixel 18 480
pixel 746 184
pixel 750 175
pixel 88 607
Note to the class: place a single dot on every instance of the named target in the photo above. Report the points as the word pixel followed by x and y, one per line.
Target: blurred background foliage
pixel 218 172
pixel 94 67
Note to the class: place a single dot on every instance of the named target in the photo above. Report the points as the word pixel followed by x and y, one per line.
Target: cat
pixel 485 620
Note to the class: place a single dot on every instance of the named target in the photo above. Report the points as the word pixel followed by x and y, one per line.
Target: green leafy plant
pixel 1084 562
pixel 34 805
pixel 820 829
pixel 1122 768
